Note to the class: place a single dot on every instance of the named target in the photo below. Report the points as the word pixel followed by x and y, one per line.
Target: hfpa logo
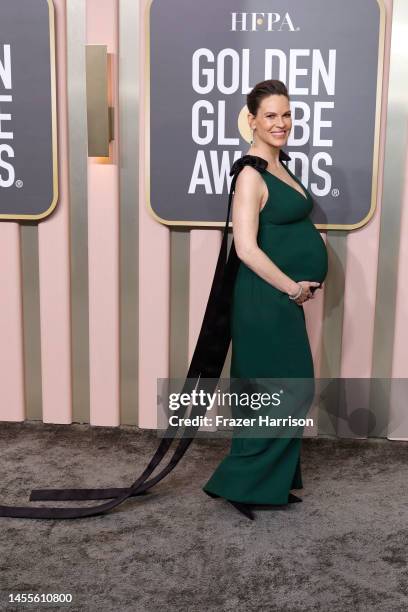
pixel 252 22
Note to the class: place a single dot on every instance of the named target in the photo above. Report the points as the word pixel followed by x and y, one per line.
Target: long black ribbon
pixel 207 363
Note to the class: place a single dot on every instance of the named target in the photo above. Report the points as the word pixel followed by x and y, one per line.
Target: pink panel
pixel 314 311
pixel 398 426
pixel 154 313
pixel 11 325
pixel 54 263
pixel 361 270
pixel 154 278
pixel 204 251
pixel 103 239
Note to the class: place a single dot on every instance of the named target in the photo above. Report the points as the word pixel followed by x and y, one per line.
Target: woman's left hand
pixel 307 292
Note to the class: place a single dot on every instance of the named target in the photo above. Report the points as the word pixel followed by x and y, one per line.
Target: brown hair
pixel 263 90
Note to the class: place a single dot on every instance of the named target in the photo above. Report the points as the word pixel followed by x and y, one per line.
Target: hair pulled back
pixel 263 90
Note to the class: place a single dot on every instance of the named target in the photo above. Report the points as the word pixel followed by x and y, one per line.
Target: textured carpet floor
pixel 345 547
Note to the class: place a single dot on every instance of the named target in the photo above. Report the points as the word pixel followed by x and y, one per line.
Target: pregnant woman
pixel 283 259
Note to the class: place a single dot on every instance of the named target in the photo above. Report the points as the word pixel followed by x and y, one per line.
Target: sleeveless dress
pixel 269 339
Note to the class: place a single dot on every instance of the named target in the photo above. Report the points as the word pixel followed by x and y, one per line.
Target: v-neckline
pixel 305 197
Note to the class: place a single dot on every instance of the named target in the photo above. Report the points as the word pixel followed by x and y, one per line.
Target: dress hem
pixel 249 501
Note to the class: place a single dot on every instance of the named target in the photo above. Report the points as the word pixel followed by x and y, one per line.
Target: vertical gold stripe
pixel 179 301
pixel 78 161
pixel 332 328
pixel 394 175
pixel 31 320
pixel 129 94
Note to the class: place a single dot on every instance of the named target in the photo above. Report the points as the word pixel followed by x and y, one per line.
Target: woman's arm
pixel 245 220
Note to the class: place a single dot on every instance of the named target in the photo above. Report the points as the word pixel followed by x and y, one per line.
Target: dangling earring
pixel 252 136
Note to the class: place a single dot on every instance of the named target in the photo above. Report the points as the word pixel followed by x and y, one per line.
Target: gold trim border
pixel 76 38
pixel 219 224
pixel 129 26
pixel 55 183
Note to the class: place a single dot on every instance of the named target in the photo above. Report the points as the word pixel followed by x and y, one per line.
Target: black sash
pixel 207 363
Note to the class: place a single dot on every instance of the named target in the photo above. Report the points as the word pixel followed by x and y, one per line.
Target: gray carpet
pixel 345 547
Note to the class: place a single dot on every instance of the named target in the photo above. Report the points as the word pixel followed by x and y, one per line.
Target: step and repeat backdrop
pixel 205 58
pixel 28 131
pixel 106 262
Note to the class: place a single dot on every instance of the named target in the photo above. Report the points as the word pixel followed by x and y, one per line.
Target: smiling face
pixel 273 121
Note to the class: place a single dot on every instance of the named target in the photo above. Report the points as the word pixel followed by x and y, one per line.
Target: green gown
pixel 269 339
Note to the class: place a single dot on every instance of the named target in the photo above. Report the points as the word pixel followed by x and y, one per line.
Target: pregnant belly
pixel 296 248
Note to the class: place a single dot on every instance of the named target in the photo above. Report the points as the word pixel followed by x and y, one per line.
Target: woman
pixel 283 259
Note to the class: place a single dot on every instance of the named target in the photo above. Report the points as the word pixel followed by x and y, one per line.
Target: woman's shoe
pixel 293 499
pixel 243 508
pixel 210 494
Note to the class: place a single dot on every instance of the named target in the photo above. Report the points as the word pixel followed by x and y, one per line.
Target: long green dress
pixel 269 339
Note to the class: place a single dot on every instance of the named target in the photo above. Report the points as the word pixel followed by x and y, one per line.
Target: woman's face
pixel 273 121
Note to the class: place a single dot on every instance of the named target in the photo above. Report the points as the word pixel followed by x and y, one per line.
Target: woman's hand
pixel 306 291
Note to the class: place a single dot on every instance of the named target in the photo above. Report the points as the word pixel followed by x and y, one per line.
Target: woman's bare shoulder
pixel 250 185
pixel 249 178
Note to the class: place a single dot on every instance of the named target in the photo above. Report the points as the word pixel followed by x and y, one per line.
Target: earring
pixel 252 136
